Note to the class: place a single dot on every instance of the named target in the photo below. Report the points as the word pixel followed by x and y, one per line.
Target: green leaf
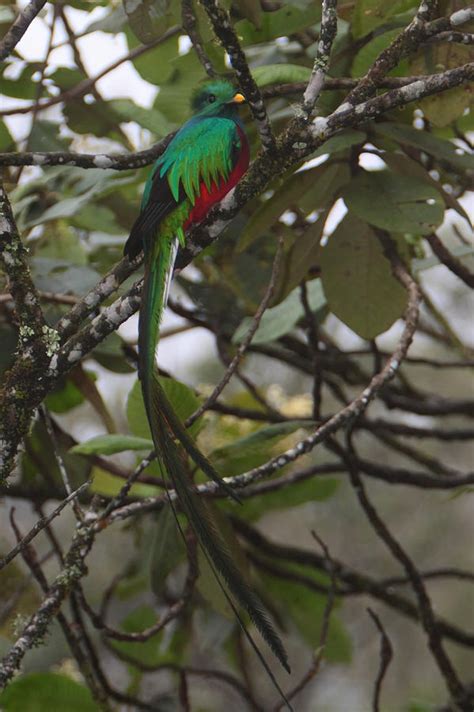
pixel 251 10
pixel 64 397
pixel 310 490
pixel 393 202
pixel 279 320
pixel 113 22
pixel 420 707
pixel 306 609
pixel 150 118
pixel 358 281
pixel 341 142
pixel 181 397
pixel 444 108
pixel 97 118
pixel 66 78
pixel 109 353
pixel 160 648
pixel 434 146
pixel 254 449
pixel 109 485
pixel 60 276
pixel 369 14
pixel 280 74
pixel 39 459
pixel 22 87
pixel 7 142
pixel 136 621
pixel 97 218
pixel 280 23
pixel 160 56
pixel 174 96
pixel 365 58
pixel 311 189
pixel 407 166
pixel 15 585
pixel 149 19
pixel 46 692
pixel 111 444
pixel 44 136
pixel 303 255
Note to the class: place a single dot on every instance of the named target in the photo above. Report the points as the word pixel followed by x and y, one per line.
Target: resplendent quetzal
pixel 204 160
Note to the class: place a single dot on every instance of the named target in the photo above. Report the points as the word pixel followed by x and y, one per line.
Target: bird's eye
pixel 211 98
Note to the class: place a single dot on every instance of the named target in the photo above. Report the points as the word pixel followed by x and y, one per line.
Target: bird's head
pixel 217 97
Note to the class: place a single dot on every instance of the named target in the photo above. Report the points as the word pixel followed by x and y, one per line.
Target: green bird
pixel 204 160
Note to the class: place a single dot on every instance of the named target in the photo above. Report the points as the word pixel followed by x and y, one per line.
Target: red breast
pixel 208 198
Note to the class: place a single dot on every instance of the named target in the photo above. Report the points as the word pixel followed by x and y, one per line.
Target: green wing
pixel 201 151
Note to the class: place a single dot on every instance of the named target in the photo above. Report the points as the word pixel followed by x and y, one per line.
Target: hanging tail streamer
pixel 165 426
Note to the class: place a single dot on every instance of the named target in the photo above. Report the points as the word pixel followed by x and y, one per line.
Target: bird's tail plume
pixel 165 428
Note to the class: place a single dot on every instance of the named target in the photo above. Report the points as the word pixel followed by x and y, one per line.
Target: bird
pixel 204 160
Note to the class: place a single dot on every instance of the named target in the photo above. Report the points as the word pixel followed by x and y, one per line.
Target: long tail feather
pixel 158 274
pixel 209 536
pixel 163 421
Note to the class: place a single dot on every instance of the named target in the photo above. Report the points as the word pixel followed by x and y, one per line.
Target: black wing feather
pixel 159 204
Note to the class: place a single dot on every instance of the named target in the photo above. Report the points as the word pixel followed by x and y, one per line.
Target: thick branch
pixel 13 258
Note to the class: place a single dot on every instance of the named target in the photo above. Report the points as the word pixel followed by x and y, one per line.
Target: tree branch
pixel 223 29
pixel 19 27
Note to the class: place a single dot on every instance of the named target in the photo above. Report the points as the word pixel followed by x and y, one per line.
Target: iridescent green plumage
pixel 203 154
pixel 202 162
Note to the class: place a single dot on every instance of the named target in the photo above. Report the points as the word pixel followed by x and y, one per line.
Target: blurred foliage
pixel 75 223
pixel 47 691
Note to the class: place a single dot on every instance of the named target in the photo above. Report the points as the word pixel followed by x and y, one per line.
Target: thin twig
pixel 313 341
pixel 87 85
pixel 386 654
pixel 245 343
pixel 425 608
pixel 190 26
pixel 450 261
pixel 41 524
pixel 349 580
pixel 60 462
pixel 323 636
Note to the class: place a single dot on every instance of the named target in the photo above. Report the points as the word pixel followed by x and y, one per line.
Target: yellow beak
pixel 238 98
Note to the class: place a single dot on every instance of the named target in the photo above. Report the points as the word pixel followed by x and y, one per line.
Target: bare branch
pixel 451 262
pixel 224 31
pixel 386 654
pixel 323 54
pixel 189 23
pixel 244 344
pixel 19 27
pixel 13 258
pixel 39 622
pixel 425 608
pixel 88 84
pixel 42 524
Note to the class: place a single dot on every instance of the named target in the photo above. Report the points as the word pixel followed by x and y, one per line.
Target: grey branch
pixel 19 27
pixel 224 31
pixel 323 54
